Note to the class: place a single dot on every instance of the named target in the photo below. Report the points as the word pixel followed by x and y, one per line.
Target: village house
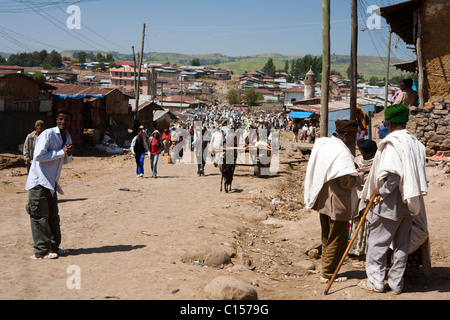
pixel 10 69
pixel 55 76
pixel 23 101
pixel 293 94
pixel 424 24
pixel 92 107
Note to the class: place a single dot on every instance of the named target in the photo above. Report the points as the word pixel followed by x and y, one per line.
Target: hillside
pixel 368 66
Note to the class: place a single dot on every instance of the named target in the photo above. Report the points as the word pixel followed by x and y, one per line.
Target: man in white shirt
pixel 53 149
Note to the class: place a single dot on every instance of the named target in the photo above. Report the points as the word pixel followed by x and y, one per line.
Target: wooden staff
pixel 351 243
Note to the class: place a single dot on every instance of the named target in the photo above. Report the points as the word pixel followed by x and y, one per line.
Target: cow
pixel 227 170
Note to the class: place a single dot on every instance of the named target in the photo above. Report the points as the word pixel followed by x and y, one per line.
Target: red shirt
pixel 155 145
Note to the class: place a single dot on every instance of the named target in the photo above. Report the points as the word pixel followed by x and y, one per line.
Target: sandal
pixel 365 284
pixel 340 279
pixel 38 256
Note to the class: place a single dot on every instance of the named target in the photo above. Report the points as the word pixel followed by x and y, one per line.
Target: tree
pixel 39 77
pixel 100 57
pixel 81 57
pixel 336 73
pixel 195 62
pixel 373 81
pixel 269 68
pixel 53 60
pixel 233 97
pixel 109 57
pixel 253 97
pixel 286 67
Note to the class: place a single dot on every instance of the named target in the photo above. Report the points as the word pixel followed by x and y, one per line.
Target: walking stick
pixel 351 243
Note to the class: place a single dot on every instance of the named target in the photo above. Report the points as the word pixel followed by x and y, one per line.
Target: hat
pixel 346 126
pixel 38 123
pixel 397 113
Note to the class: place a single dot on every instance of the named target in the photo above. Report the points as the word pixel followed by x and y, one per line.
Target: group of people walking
pixel 307 132
pixel 143 144
pixel 393 171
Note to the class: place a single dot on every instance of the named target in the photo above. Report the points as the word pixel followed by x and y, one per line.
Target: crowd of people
pixel 335 186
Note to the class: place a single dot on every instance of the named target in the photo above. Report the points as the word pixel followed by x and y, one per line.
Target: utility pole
pixel 135 84
pixel 140 67
pixel 354 62
pixel 325 68
pixel 386 81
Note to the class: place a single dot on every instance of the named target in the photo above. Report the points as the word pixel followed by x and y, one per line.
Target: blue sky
pixel 231 27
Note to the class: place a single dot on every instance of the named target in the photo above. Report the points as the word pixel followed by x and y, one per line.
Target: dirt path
pixel 146 242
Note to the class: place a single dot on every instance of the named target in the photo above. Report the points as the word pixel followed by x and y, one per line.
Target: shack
pixel 93 108
pixel 23 101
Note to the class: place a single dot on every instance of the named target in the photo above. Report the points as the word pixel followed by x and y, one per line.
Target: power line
pixel 29 39
pixel 58 26
pixel 95 32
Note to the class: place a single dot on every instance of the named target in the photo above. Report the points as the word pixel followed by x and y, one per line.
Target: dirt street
pixel 148 240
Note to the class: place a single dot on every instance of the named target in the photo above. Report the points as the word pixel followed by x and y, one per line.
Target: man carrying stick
pixel 330 188
pixel 398 176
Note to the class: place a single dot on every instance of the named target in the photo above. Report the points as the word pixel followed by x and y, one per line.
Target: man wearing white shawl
pixel 398 176
pixel 330 188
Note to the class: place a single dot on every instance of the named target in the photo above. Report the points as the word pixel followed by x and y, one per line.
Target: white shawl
pixel 330 159
pixel 402 154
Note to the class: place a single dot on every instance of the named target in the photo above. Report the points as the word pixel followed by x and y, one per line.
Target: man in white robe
pixel 398 176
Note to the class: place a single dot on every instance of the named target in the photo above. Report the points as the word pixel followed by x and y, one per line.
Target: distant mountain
pixel 368 66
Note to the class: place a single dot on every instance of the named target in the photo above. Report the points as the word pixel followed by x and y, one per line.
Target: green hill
pixel 367 66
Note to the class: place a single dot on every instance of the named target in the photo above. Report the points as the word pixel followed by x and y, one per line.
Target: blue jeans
pixel 140 163
pixel 154 163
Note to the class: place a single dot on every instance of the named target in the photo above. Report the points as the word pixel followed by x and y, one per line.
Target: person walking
pixel 167 141
pixel 295 133
pixel 304 134
pixel 330 188
pixel 156 147
pixel 28 146
pixel 201 141
pixel 398 176
pixel 53 149
pixel 138 148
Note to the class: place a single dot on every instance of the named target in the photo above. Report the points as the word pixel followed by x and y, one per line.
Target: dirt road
pixel 148 240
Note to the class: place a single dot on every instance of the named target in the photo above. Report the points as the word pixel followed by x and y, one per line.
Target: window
pixel 125 83
pixel 124 74
pixel 117 82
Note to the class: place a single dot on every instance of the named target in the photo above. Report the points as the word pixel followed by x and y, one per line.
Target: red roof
pixel 11 67
pixel 125 63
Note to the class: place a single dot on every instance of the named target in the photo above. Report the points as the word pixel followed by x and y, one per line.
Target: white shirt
pixel 48 160
pixel 216 140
